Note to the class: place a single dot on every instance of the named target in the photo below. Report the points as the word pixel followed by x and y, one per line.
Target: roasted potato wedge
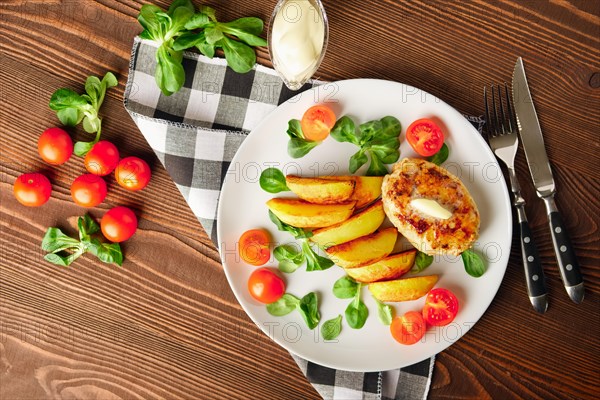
pixel 403 289
pixel 364 250
pixel 321 191
pixel 360 224
pixel 366 189
pixel 391 267
pixel 303 214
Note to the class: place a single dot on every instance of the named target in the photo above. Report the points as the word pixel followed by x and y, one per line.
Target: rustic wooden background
pixel 166 324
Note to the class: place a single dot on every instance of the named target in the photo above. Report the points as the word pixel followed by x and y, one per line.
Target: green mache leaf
pixel 179 17
pixel 290 258
pixel 246 29
pixel 57 259
pixel 109 80
pixel 93 87
pixel 81 148
pixel 55 240
pixel 295 129
pixel 109 253
pixel 148 19
pixel 87 226
pixel 377 167
pixel 198 21
pixel 386 148
pixel 210 12
pixel 90 125
pixel 66 98
pixel 285 305
pixel 356 313
pixel 357 160
pixel 169 74
pixel 298 147
pixel 332 328
pixel 422 261
pixel 314 262
pixel 70 116
pixel 272 180
pixel 287 266
pixel 298 233
pixel 251 25
pixel 344 130
pixel 240 57
pixel 441 156
pixel 309 308
pixel 147 35
pixel 213 34
pixel 345 288
pixel 474 264
pixel 390 127
pixel 384 312
pixel 187 40
pixel 207 49
pixel 369 130
pixel 185 4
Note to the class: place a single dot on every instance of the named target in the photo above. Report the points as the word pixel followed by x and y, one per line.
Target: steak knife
pixel 541 173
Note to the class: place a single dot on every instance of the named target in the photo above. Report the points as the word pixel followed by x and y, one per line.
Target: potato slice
pixel 391 267
pixel 366 190
pixel 321 191
pixel 364 250
pixel 303 214
pixel 361 224
pixel 403 289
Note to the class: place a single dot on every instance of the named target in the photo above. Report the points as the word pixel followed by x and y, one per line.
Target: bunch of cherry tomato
pixel 88 190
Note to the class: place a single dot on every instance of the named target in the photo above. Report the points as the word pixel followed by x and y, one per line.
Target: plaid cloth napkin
pixel 195 134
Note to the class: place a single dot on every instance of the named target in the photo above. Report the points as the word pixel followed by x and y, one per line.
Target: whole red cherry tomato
pixel 55 146
pixel 32 189
pixel 118 224
pixel 133 173
pixel 102 159
pixel 88 190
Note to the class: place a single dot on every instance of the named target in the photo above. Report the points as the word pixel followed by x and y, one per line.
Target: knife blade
pixel 541 173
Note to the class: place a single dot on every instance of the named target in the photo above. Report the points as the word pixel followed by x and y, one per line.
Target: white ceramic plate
pixel 242 206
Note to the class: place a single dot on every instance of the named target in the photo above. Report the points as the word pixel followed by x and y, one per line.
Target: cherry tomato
pixel 133 173
pixel 441 307
pixel 88 190
pixel 265 285
pixel 254 247
pixel 32 190
pixel 409 328
pixel 425 137
pixel 317 122
pixel 55 146
pixel 118 224
pixel 102 159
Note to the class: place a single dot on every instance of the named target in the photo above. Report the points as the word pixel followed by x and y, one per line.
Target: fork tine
pixel 495 113
pixel 487 112
pixel 502 116
pixel 509 109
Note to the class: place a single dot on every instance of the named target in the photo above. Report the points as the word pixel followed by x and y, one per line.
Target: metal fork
pixel 503 140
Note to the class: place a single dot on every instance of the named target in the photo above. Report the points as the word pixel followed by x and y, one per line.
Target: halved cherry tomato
pixel 425 137
pixel 88 190
pixel 102 159
pixel 265 285
pixel 317 122
pixel 32 190
pixel 254 247
pixel 55 146
pixel 409 328
pixel 133 173
pixel 118 224
pixel 441 307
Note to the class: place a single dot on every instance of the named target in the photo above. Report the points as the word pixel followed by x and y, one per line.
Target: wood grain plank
pixel 173 329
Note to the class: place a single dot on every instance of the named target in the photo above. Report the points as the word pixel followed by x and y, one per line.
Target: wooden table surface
pixel 166 324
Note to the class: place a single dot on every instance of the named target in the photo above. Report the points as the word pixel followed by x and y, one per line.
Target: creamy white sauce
pixel 297 40
pixel 431 208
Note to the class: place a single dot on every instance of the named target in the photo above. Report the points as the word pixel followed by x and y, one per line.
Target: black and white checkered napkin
pixel 195 134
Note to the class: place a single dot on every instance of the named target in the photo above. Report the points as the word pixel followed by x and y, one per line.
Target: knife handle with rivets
pixel 567 262
pixel 534 272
